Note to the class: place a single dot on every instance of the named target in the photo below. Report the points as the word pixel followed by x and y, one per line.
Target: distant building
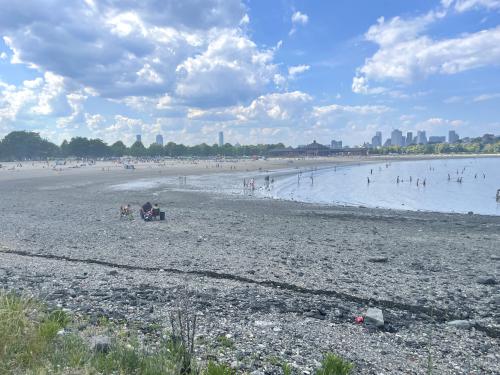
pixel 159 139
pixel 397 138
pixel 377 140
pixel 421 137
pixel 316 149
pixel 335 144
pixel 387 142
pixel 453 137
pixel 437 139
pixel 138 138
pixel 488 138
pixel 409 139
pixel 221 139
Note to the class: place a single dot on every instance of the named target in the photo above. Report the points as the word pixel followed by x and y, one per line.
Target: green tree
pixel 79 147
pixel 155 149
pixel 118 149
pixel 97 148
pixel 138 149
pixel 22 145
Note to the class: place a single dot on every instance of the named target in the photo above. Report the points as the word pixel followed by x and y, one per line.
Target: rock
pixel 486 280
pixel 460 324
pixel 374 317
pixel 100 344
pixel 113 272
pixel 378 259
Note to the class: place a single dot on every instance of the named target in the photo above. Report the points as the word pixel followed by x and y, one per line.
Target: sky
pixel 261 71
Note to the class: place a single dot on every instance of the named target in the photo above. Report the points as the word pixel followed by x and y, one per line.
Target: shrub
pixel 332 364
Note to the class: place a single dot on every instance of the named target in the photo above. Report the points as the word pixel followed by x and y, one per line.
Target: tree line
pixel 476 146
pixel 23 145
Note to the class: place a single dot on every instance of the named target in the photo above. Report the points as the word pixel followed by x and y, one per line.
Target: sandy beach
pixel 280 279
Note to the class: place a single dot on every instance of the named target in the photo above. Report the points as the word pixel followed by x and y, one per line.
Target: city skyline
pixel 259 73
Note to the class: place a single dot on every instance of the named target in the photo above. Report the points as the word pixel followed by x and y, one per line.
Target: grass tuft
pixel 333 364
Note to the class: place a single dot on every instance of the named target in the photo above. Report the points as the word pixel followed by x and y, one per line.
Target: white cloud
pixel 245 20
pixel 293 71
pixel 342 109
pixel 276 106
pixel 3 56
pixel 148 48
pixel 466 5
pixel 404 61
pixel 298 19
pixel 231 70
pixel 485 97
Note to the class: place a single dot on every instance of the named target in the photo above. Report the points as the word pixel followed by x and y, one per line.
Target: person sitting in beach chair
pixel 156 211
pixel 147 211
pixel 126 212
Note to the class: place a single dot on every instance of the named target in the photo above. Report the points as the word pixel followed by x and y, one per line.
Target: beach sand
pixel 283 279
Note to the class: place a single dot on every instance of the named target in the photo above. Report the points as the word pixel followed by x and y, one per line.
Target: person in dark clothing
pixel 146 209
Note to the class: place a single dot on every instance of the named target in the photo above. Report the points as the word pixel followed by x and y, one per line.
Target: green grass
pixel 38 341
pixel 332 364
pixel 30 344
pixel 225 342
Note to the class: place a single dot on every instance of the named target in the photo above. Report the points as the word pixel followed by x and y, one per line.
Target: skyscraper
pixel 336 144
pixel 221 139
pixel 409 138
pixel 397 138
pixel 159 139
pixel 453 137
pixel 421 137
pixel 138 138
pixel 377 140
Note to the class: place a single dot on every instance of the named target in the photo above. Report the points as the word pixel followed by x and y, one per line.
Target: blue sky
pixel 261 71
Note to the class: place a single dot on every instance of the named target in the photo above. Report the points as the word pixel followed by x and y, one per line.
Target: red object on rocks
pixel 359 320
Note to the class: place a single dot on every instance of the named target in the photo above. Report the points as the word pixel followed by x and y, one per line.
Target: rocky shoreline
pixel 281 281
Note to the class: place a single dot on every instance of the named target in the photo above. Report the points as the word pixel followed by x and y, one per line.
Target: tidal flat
pixel 282 281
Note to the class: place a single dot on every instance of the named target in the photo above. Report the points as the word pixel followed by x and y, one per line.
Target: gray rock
pixel 374 317
pixel 378 259
pixel 460 324
pixel 486 280
pixel 100 344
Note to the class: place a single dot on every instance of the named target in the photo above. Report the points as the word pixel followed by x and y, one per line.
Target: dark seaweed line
pixel 438 315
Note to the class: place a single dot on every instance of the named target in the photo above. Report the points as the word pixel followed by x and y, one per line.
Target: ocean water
pixel 442 192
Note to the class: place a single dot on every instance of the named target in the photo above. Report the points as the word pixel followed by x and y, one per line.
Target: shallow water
pixel 349 185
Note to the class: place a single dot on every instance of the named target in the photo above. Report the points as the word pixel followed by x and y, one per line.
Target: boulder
pixel 486 280
pixel 460 324
pixel 378 259
pixel 100 344
pixel 374 317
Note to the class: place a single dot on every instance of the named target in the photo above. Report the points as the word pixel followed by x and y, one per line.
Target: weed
pixel 332 364
pixel 217 369
pixel 225 341
pixel 287 368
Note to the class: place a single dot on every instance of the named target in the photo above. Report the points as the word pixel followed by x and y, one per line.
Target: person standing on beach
pixel 368 178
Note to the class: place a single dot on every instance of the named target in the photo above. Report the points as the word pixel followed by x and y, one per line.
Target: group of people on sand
pixel 147 211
